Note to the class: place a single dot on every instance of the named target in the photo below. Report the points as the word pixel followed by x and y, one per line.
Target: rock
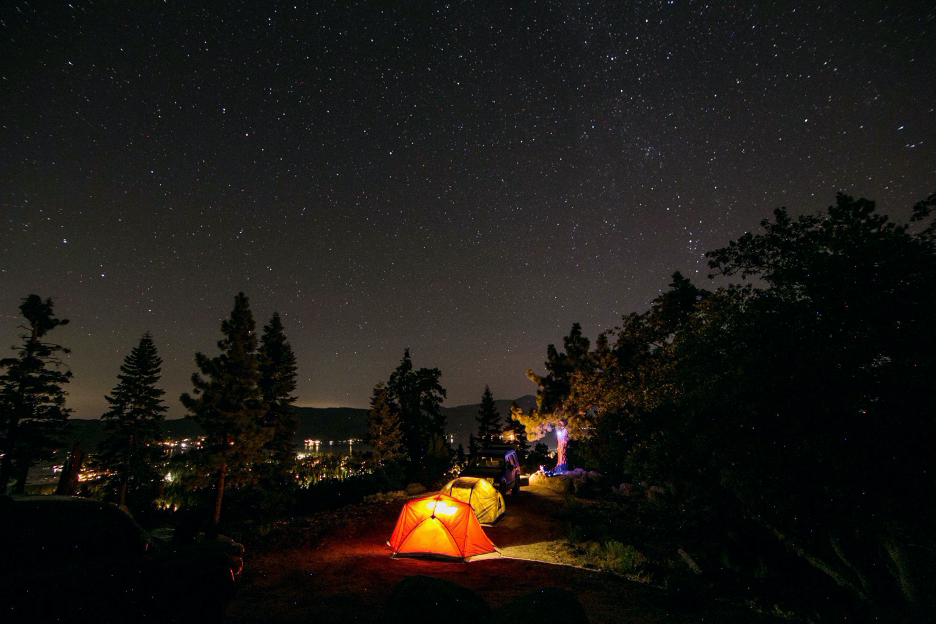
pixel 549 605
pixel 586 482
pixel 557 483
pixel 420 598
pixel 625 488
pixel 415 488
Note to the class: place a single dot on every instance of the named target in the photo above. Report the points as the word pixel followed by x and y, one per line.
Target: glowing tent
pixel 438 525
pixel 486 502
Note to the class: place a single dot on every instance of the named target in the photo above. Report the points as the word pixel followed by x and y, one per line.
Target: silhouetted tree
pixel 418 396
pixel 277 365
pixel 538 457
pixel 132 425
pixel 831 376
pixel 228 405
pixel 799 406
pixel 32 397
pixel 555 402
pixel 460 459
pixel 383 427
pixel 490 425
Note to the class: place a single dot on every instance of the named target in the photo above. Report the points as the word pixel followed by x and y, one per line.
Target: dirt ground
pixel 338 568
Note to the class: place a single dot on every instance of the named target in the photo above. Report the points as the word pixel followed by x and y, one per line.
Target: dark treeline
pixel 242 400
pixel 785 419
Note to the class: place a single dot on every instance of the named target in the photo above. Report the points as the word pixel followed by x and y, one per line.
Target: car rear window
pixel 487 462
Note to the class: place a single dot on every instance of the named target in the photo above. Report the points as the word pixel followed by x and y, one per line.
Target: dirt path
pixel 347 574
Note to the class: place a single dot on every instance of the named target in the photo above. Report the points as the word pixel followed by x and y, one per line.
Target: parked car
pixel 70 559
pixel 500 466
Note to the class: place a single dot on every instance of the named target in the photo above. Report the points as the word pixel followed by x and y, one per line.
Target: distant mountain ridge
pixel 316 423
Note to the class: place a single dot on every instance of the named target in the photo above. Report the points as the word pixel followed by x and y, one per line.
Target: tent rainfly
pixel 439 526
pixel 486 502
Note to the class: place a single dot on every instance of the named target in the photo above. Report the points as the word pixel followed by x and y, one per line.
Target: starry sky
pixel 466 179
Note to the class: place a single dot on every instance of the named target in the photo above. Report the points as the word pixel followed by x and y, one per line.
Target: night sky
pixel 467 179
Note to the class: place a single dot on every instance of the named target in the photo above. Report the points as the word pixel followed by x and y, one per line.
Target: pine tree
pixel 228 405
pixel 490 426
pixel 277 383
pixel 132 427
pixel 32 400
pixel 383 428
pixel 418 396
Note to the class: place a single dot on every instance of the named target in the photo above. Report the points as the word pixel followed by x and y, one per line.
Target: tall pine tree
pixel 32 400
pixel 490 426
pixel 384 433
pixel 277 384
pixel 418 396
pixel 228 405
pixel 132 424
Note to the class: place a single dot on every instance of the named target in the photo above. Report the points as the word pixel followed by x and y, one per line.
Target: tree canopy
pixel 490 425
pixel 228 404
pixel 799 403
pixel 132 426
pixel 417 396
pixel 277 383
pixel 384 431
pixel 32 394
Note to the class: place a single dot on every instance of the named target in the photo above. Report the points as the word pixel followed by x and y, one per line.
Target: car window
pixel 487 462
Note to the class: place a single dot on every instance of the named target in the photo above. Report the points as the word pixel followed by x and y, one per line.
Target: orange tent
pixel 439 525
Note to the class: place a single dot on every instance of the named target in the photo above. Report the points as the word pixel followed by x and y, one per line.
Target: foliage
pixel 228 404
pixel 132 424
pixel 614 556
pixel 520 441
pixel 461 459
pixel 438 463
pixel 384 432
pixel 277 382
pixel 490 426
pixel 554 390
pixel 539 456
pixel 331 493
pixel 417 395
pixel 797 407
pixel 32 399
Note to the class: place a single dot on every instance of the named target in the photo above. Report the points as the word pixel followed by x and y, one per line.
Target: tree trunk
pixel 125 475
pixel 19 486
pixel 122 491
pixel 219 493
pixel 68 482
pixel 562 440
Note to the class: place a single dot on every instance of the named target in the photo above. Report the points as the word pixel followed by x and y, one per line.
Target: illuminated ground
pixel 344 573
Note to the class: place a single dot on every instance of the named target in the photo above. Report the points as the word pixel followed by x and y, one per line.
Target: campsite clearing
pixel 336 567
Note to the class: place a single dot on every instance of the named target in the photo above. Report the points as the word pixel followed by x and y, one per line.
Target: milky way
pixel 465 179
